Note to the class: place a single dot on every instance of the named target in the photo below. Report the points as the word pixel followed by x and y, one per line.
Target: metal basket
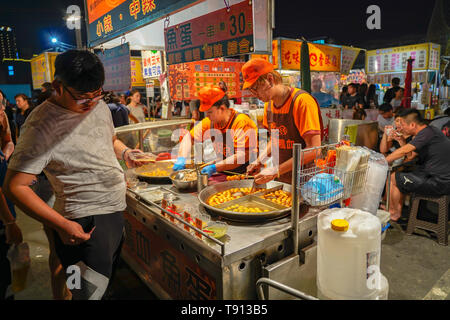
pixel 321 182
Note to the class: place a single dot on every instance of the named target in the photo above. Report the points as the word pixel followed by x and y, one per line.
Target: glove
pixel 209 170
pixel 180 164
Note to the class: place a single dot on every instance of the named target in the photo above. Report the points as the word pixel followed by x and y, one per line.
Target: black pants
pixel 95 258
pixel 422 183
pixel 5 267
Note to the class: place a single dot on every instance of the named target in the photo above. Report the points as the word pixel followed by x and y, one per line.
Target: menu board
pixel 186 79
pixel 348 58
pixel 117 64
pixel 433 63
pixel 222 33
pixel 395 59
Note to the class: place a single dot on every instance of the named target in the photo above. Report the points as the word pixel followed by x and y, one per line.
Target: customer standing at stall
pixel 10 233
pixel 390 94
pixel 71 138
pixel 354 100
pixel 135 107
pixel 24 109
pixel 293 112
pixel 227 130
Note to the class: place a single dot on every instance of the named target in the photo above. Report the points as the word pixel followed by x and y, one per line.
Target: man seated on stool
pixel 432 177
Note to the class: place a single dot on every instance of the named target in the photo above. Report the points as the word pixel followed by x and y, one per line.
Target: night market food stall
pixel 384 64
pixel 193 238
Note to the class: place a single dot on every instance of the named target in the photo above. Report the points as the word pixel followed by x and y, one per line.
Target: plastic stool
pixel 441 227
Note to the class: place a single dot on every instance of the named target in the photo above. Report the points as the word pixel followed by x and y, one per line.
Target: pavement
pixel 416 266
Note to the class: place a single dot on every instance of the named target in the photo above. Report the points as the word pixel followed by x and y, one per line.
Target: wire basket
pixel 323 179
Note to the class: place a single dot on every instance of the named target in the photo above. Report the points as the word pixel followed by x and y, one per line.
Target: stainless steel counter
pixel 152 239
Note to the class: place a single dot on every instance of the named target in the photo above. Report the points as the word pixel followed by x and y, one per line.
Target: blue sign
pixel 127 16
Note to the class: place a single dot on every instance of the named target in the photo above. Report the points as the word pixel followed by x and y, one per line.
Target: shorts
pixel 89 266
pixel 422 183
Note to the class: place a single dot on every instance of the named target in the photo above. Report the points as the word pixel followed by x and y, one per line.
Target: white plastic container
pixel 369 199
pixel 348 256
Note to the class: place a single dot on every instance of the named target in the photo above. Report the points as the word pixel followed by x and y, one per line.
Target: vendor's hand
pixel 73 234
pixel 180 164
pixel 253 168
pixel 209 170
pixel 13 234
pixel 130 162
pixel 266 175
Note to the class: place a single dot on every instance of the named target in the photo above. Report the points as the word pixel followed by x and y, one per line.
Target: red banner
pixel 186 79
pixel 217 34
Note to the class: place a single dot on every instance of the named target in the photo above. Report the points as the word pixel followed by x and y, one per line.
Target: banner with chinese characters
pixel 186 79
pixel 434 61
pixel 348 58
pixel 151 63
pixel 425 55
pixel 43 68
pixel 170 268
pixel 218 34
pixel 108 19
pixel 117 64
pixel 321 57
pixel 136 72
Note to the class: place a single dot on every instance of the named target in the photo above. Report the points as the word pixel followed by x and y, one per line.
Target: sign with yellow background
pixel 43 68
pixel 321 57
pixel 425 55
pixel 136 72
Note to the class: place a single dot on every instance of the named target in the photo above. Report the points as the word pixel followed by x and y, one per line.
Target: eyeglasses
pixel 95 99
pixel 254 89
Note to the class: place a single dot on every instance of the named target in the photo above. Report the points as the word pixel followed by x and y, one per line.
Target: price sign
pixel 218 34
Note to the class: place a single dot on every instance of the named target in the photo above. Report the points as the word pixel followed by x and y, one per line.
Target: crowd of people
pixel 58 157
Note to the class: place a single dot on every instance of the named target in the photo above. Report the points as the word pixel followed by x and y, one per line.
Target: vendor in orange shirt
pixel 227 130
pixel 293 112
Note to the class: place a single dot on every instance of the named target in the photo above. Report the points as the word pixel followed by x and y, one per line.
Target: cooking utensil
pixel 181 173
pixel 180 184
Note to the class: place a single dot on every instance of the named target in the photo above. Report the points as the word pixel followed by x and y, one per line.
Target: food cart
pixel 174 251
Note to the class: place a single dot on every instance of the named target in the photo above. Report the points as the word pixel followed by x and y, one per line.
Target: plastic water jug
pixel 348 256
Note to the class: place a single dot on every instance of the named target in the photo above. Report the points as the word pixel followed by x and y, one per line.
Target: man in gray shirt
pixel 70 137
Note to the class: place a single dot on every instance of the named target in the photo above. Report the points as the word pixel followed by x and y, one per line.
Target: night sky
pixel 36 21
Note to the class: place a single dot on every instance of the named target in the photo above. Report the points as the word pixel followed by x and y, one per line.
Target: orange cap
pixel 253 69
pixel 208 96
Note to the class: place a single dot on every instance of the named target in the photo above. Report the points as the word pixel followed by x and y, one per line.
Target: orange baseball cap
pixel 253 69
pixel 208 96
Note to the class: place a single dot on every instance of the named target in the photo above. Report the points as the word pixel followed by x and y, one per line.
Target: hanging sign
pixel 425 55
pixel 186 79
pixel 151 63
pixel 117 64
pixel 321 57
pixel 218 34
pixel 108 19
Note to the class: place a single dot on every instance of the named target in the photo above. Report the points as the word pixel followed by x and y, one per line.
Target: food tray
pixel 252 201
pixel 277 212
pixel 166 165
